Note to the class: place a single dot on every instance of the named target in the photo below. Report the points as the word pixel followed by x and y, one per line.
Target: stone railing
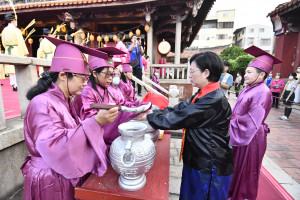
pixel 26 75
pixel 172 73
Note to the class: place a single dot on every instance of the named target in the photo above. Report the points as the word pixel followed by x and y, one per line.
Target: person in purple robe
pixel 116 92
pixel 97 91
pixel 62 148
pixel 248 130
pixel 126 85
pixel 155 79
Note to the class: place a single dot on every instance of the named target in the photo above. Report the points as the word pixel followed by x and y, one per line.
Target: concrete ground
pixel 282 158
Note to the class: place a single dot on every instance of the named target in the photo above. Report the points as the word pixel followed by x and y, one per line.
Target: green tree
pixel 231 53
pixel 241 63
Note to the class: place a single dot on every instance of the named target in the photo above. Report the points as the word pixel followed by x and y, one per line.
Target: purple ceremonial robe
pixel 89 96
pixel 128 91
pixel 156 80
pixel 62 147
pixel 122 47
pixel 116 92
pixel 248 136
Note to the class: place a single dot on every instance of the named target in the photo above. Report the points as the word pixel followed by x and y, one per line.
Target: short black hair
pixel 226 63
pixel 259 71
pixel 212 62
pixel 294 74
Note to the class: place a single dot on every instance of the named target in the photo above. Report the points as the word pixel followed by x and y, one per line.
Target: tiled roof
pixel 283 7
pixel 58 3
pixel 189 53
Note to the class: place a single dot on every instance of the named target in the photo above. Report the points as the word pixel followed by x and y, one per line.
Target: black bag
pixel 135 63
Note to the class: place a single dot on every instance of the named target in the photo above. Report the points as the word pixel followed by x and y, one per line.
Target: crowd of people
pixel 222 148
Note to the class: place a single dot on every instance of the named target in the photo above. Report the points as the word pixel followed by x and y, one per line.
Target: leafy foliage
pixel 231 53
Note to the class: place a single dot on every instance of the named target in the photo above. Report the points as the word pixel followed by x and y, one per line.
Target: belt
pixel 9 48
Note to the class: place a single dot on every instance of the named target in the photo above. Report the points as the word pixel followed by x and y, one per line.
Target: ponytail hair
pixel 43 84
pixel 123 77
pixel 93 81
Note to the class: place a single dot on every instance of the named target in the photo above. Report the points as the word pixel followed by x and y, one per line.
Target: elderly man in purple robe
pixel 97 91
pixel 248 130
pixel 62 148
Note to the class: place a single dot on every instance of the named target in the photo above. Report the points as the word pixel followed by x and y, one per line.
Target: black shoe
pixel 139 94
pixel 15 89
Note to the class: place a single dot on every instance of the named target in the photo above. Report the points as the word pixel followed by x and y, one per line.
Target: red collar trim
pixel 210 87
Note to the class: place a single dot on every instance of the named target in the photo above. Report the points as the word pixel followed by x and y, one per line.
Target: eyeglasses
pixel 108 75
pixel 193 71
pixel 84 78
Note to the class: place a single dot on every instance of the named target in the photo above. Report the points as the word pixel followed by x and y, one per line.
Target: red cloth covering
pixel 156 99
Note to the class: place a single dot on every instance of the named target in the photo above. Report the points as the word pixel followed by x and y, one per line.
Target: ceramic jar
pixel 132 155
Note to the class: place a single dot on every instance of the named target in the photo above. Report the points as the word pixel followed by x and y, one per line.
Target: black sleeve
pixel 185 115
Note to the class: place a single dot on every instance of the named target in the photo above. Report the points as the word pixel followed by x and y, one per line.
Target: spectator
pixel 135 51
pixel 297 91
pixel 121 46
pixel 237 84
pixel 226 79
pixel 276 86
pixel 269 80
pixel 288 95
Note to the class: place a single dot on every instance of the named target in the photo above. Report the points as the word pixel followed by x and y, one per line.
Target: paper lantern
pixel 115 38
pixel 138 32
pixel 106 38
pixel 57 28
pixel 124 37
pixel 30 41
pixel 99 38
pixel 130 34
pixel 147 28
pixel 92 38
pixel 82 35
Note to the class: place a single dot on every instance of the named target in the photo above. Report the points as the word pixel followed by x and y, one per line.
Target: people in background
pixel 297 91
pixel 155 79
pixel 136 51
pixel 276 86
pixel 226 79
pixel 288 95
pixel 46 49
pixel 62 148
pixel 237 84
pixel 269 80
pixel 121 46
pixel 14 44
pixel 126 84
pixel 248 130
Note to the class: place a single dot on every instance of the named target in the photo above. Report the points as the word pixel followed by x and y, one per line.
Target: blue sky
pixel 248 12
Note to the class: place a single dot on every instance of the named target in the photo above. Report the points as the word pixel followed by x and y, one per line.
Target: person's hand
pixel 106 116
pixel 143 116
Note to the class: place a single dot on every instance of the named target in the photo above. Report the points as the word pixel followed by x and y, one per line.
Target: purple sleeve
pixel 88 97
pixel 69 150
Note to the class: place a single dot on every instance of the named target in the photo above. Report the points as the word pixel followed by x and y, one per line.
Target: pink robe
pixel 116 92
pixel 156 80
pixel 121 46
pixel 62 147
pixel 128 91
pixel 248 136
pixel 89 96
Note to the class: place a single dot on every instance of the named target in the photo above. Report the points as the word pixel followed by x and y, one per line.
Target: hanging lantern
pixel 124 37
pixel 57 28
pixel 106 38
pixel 147 28
pixel 138 32
pixel 130 34
pixel 63 29
pixel 92 37
pixel 115 38
pixel 82 35
pixel 30 41
pixel 99 38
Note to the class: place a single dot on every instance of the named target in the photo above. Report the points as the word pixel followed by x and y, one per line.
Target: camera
pixel 138 39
